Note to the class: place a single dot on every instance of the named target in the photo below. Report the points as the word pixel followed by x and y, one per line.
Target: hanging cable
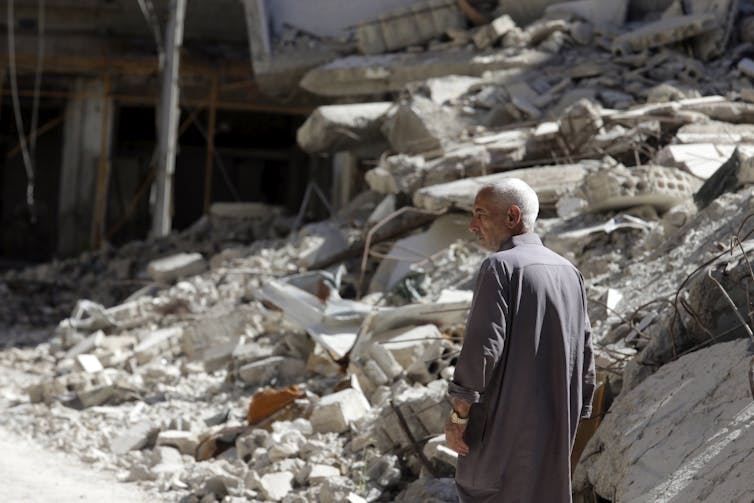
pixel 37 82
pixel 17 113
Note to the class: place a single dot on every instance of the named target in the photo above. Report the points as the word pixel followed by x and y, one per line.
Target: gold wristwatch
pixel 456 419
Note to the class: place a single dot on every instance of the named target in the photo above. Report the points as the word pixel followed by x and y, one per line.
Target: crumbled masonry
pixel 245 359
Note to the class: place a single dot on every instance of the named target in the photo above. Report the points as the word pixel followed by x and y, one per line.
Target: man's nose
pixel 472 225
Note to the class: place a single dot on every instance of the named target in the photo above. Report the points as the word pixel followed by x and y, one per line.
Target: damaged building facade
pixel 296 345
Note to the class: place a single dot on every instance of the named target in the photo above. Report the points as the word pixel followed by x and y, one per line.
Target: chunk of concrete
pixel 580 122
pixel 335 412
pixel 281 368
pixel 158 342
pixel 707 454
pixel 87 345
pixel 185 441
pixel 420 125
pixel 180 265
pixel 167 460
pixel 137 437
pixel 336 128
pixel 490 33
pixel 746 67
pixel 447 89
pixel 276 485
pixel 437 451
pixel 619 187
pixel 318 473
pixel 663 32
pixel 409 26
pixel 716 132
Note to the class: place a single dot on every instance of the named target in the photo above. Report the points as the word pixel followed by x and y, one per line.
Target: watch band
pixel 456 419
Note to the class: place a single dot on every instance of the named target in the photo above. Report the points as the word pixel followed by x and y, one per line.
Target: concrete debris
pixel 620 187
pixel 491 33
pixel 635 456
pixel 168 269
pixel 337 128
pixel 265 357
pixel 411 26
pixel 663 32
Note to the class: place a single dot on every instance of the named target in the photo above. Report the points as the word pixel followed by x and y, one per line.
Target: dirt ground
pixel 31 474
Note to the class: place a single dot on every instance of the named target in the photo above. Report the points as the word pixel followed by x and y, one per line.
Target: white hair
pixel 514 191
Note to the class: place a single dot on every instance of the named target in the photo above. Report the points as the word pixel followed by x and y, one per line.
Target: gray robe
pixel 528 369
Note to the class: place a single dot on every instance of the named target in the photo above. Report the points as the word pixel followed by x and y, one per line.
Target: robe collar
pixel 528 238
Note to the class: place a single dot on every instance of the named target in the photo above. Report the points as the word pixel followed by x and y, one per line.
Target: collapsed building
pixel 267 355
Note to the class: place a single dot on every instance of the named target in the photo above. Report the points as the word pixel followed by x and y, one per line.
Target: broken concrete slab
pixel 89 363
pixel 715 132
pixel 336 128
pixel 549 182
pixel 707 455
pixel 373 75
pixel 447 89
pixel 663 32
pixel 700 159
pixel 180 265
pixel 276 485
pixel 409 26
pixel 335 412
pixel 620 187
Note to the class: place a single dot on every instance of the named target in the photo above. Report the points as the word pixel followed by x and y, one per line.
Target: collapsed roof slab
pixel 549 182
pixel 369 75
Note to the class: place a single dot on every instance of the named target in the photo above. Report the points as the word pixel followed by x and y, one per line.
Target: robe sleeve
pixel 588 372
pixel 485 335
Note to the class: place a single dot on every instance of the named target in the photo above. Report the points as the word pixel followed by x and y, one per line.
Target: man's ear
pixel 513 216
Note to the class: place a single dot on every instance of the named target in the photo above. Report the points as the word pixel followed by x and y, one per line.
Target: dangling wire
pixel 37 82
pixel 17 113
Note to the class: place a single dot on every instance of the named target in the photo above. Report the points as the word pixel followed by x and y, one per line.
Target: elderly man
pixel 525 374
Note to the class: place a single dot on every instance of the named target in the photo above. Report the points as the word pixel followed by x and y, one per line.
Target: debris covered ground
pixel 248 359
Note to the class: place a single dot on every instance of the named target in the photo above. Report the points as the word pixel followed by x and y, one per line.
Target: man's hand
pixel 454 437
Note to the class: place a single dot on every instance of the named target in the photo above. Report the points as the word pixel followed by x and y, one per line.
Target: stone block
pixel 185 441
pixel 490 33
pixel 157 343
pixel 619 187
pixel 335 412
pixel 737 171
pixel 181 265
pixel 276 485
pixel 407 344
pixel 279 368
pixel 436 450
pixel 137 437
pixel 412 25
pixel 337 128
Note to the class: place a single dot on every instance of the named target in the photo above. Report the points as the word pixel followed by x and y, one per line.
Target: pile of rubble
pixel 315 368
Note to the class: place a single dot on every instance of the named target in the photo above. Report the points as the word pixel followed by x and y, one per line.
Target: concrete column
pixel 345 170
pixel 83 129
